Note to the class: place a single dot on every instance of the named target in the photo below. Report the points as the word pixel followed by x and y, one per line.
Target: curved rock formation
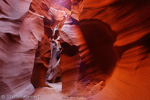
pixel 114 47
pixel 130 20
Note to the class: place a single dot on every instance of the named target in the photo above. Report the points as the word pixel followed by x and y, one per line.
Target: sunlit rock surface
pixel 15 59
pixel 130 20
pixel 118 43
pixel 19 35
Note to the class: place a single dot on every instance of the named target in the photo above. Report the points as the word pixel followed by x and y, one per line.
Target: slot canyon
pixel 74 49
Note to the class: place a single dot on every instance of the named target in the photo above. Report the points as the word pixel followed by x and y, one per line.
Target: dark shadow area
pixel 99 38
pixel 69 50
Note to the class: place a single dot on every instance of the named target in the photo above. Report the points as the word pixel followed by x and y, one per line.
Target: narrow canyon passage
pixel 74 50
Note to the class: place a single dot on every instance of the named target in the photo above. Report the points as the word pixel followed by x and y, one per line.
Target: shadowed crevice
pixel 99 38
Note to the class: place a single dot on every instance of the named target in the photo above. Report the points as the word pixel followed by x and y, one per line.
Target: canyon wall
pixel 117 34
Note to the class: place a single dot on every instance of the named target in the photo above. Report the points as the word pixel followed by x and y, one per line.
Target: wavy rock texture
pixel 19 35
pixel 118 44
pixel 130 20
pixel 15 59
